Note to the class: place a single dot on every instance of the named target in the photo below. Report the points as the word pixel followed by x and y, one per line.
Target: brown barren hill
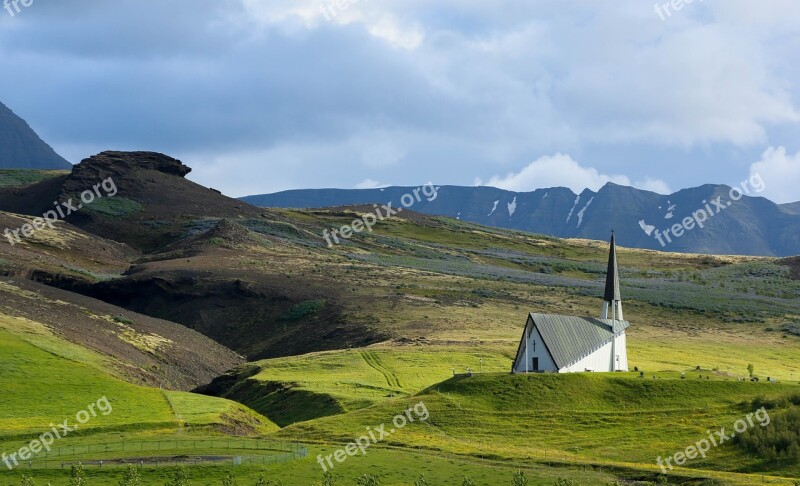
pixel 142 199
pixel 212 263
pixel 64 250
pixel 141 349
pixel 794 266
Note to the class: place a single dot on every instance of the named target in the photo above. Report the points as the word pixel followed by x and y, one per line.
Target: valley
pixel 206 320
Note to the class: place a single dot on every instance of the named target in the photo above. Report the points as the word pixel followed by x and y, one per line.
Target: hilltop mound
pixel 224 233
pixel 123 162
pixel 569 417
pixel 139 198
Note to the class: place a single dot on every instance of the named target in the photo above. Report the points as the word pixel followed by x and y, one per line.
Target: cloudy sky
pixel 264 95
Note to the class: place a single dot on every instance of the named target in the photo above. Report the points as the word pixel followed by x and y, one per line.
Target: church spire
pixel 612 297
pixel 612 275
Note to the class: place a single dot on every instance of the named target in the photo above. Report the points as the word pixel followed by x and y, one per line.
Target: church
pixel 569 344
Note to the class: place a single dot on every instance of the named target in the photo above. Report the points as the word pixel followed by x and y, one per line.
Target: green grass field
pixel 480 426
pixel 357 379
pixel 47 380
pixel 395 467
pixel 24 177
pixel 599 419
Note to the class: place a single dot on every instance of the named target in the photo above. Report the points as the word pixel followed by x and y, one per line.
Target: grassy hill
pixel 22 177
pixel 295 389
pixel 47 379
pixel 618 421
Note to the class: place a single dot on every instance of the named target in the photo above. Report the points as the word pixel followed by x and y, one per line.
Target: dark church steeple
pixel 612 298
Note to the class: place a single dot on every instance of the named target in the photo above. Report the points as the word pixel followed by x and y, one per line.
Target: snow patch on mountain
pixel 577 200
pixel 512 207
pixel 583 211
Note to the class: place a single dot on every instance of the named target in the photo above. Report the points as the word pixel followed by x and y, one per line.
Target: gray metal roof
pixel 569 338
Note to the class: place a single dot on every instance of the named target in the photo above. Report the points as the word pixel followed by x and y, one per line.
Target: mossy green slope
pixel 300 388
pixel 48 380
pixel 613 420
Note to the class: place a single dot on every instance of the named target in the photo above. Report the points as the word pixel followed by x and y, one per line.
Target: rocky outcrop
pixel 125 162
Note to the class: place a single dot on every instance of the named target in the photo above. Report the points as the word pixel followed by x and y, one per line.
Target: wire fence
pixel 169 453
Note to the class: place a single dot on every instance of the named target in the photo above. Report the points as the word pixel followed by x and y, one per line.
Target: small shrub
pixel 27 481
pixel 131 477
pixel 303 309
pixel 421 481
pixel 267 482
pixel 562 481
pixel 76 476
pixel 519 479
pixel 328 479
pixel 180 478
pixel 115 207
pixel 467 482
pixel 216 241
pixel 368 480
pixel 229 480
pixel 778 440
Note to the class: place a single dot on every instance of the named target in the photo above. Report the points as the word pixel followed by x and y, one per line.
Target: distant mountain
pixel 793 208
pixel 21 147
pixel 749 226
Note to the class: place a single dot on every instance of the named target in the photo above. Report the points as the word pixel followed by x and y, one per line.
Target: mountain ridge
pixel 750 225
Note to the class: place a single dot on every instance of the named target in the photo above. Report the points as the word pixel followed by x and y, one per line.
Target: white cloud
pixel 371 184
pixel 673 87
pixel 561 170
pixel 781 175
pixel 654 185
pixel 313 14
pixel 388 29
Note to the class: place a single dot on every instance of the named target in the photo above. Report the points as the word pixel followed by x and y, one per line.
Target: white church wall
pixel 525 362
pixel 622 352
